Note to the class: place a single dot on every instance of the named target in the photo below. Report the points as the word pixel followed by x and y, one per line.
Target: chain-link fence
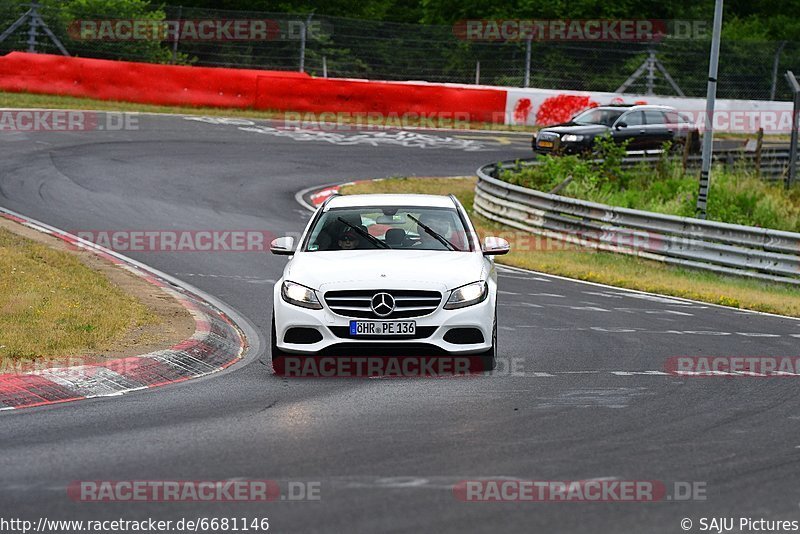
pixel 342 47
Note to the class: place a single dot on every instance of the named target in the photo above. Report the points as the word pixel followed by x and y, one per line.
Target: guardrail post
pixel 687 147
pixel 759 144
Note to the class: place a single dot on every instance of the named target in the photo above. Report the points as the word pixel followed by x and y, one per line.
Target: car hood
pixel 578 129
pixel 385 269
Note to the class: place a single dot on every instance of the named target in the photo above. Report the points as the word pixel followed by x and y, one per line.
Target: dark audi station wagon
pixel 645 127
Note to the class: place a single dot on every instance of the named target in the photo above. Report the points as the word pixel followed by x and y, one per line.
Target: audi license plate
pixel 546 144
pixel 382 328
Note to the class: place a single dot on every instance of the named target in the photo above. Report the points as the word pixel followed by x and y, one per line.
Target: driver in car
pixel 349 240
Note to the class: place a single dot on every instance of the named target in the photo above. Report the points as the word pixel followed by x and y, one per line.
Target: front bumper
pixel 560 147
pixel 431 329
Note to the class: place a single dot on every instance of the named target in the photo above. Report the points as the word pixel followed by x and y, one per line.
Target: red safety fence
pixel 149 83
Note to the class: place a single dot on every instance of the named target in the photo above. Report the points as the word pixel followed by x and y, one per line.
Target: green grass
pixel 556 257
pixel 53 305
pixel 736 195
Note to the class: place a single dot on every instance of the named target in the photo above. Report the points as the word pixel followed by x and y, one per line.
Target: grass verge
pixel 56 303
pixel 554 257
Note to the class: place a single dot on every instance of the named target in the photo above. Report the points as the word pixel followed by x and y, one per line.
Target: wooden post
pixel 759 143
pixel 687 148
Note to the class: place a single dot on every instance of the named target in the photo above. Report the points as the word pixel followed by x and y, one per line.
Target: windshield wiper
pixel 372 239
pixel 439 237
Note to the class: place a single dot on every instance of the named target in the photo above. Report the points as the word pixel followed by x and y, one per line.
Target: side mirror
pixel 283 246
pixel 495 246
pixel 621 124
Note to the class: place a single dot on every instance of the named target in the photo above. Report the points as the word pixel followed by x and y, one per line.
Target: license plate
pixel 382 328
pixel 546 144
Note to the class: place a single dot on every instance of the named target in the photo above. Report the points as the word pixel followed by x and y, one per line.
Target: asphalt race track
pixel 589 398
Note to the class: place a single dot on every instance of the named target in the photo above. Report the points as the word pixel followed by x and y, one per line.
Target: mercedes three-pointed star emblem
pixel 382 304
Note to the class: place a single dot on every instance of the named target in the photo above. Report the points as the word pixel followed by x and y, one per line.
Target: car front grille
pixel 408 303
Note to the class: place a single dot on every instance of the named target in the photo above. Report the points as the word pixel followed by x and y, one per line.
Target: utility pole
pixel 711 97
pixel 651 72
pixel 795 120
pixel 528 62
pixel 303 35
pixel 177 36
pixel 775 65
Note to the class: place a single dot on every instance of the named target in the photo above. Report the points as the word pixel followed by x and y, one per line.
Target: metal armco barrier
pixel 720 247
pixel 773 166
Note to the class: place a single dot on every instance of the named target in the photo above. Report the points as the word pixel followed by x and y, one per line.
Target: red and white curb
pixel 312 197
pixel 217 343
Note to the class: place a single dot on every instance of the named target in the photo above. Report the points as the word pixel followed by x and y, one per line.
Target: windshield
pixel 394 227
pixel 602 116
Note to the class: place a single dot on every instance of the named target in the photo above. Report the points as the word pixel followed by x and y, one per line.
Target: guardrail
pixel 772 163
pixel 720 247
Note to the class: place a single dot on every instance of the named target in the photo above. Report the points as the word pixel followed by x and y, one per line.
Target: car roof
pixel 627 107
pixel 356 201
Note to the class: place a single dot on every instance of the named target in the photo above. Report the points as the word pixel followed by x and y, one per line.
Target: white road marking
pixel 606 295
pixel 756 334
pixel 555 295
pixel 654 298
pixel 244 278
pixel 707 333
pixel 639 373
pixel 652 312
pixel 536 275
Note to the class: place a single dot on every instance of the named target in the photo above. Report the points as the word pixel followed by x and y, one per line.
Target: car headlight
pixel 467 295
pixel 300 296
pixel 572 138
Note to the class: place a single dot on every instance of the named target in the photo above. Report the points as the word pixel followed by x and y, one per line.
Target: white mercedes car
pixel 402 272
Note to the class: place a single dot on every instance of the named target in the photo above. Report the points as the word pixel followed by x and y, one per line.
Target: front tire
pixel 276 353
pixel 488 358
